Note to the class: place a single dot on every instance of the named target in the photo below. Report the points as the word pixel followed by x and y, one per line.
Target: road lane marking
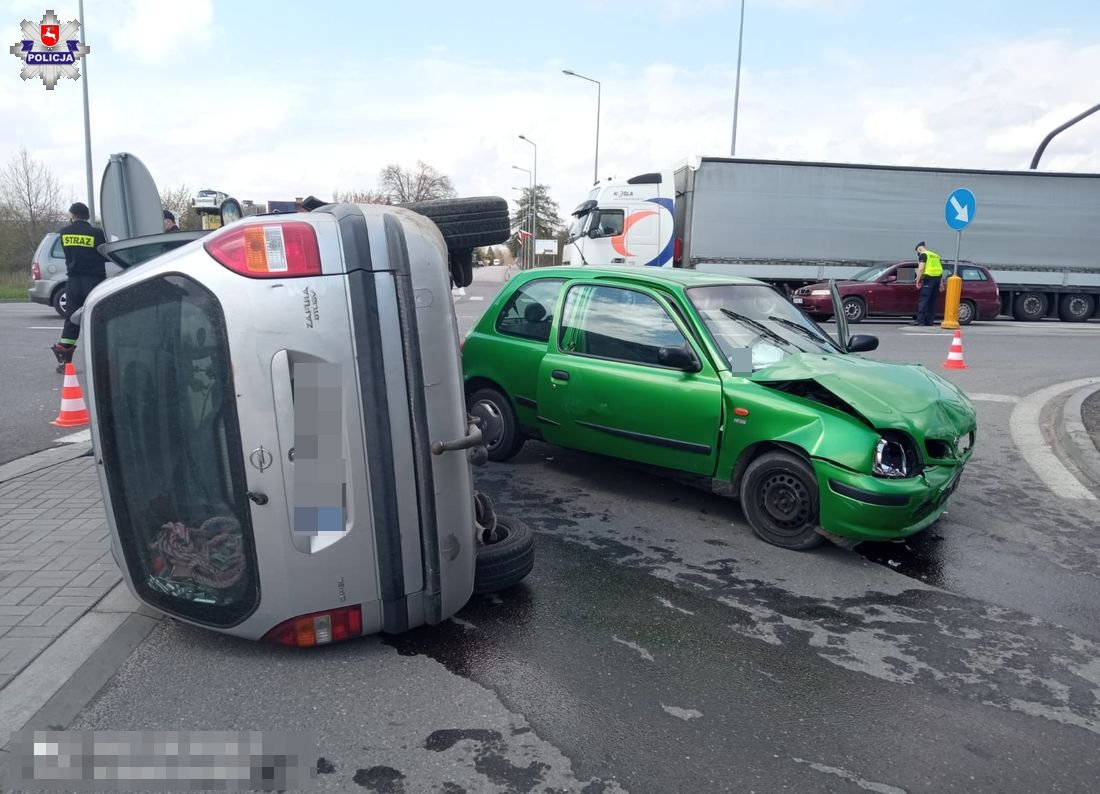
pixel 477 297
pixel 993 398
pixel 1028 437
pixel 76 438
pixel 44 327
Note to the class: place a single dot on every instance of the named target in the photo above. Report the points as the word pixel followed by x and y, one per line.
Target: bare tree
pixel 360 197
pixel 31 201
pixel 179 200
pixel 422 183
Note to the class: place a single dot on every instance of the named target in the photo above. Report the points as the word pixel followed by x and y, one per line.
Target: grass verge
pixel 13 287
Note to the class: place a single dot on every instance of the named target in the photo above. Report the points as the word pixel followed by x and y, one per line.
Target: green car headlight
pixel 963 444
pixel 894 458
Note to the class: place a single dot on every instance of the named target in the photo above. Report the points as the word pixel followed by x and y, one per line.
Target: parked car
pixel 889 290
pixel 49 276
pixel 721 378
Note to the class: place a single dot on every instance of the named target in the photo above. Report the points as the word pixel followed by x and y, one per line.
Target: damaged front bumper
pixel 863 507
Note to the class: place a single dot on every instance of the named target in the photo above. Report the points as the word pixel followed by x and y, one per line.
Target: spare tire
pixel 468 223
pixel 506 561
pixel 461 264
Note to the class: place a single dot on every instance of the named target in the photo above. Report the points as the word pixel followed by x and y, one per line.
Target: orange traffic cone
pixel 74 413
pixel 955 355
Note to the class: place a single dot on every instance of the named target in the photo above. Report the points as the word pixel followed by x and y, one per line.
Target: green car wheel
pixel 779 499
pixel 499 427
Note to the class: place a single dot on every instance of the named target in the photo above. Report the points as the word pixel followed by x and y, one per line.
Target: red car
pixel 890 290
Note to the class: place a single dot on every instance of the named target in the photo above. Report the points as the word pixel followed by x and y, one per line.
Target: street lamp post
pixel 1056 130
pixel 737 84
pixel 530 194
pixel 599 88
pixel 534 197
pixel 87 124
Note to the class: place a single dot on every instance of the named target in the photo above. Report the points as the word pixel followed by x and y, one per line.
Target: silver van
pixel 279 428
pixel 49 275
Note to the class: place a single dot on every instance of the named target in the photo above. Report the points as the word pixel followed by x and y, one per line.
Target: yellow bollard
pixel 951 303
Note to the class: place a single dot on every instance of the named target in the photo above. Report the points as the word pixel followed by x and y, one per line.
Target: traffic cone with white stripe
pixel 955 354
pixel 74 413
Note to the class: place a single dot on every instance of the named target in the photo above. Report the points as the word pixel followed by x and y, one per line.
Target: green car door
pixel 621 377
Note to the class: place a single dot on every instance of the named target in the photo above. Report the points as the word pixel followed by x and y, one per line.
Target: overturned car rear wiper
pixel 763 329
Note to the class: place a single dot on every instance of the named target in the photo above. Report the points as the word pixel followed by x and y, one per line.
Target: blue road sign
pixel 960 208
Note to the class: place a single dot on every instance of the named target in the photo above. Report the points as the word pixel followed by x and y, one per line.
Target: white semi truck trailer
pixel 795 223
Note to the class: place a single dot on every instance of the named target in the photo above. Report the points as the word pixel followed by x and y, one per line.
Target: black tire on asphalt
pixel 779 498
pixel 1030 306
pixel 499 425
pixel 1076 308
pixel 967 312
pixel 468 223
pixel 57 300
pixel 854 309
pixel 506 562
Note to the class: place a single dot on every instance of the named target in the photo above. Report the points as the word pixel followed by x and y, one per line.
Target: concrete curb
pixel 43 460
pixel 1074 438
pixel 65 677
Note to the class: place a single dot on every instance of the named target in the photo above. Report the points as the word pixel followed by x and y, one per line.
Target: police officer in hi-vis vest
pixel 86 268
pixel 929 272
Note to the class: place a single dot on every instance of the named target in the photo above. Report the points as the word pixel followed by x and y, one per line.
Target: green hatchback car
pixel 720 378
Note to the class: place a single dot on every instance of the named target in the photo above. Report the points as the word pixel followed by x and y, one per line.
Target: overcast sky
pixel 277 99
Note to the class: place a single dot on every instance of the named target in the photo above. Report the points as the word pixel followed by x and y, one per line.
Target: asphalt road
pixel 30 388
pixel 658 646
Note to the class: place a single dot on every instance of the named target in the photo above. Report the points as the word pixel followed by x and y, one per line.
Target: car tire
pixel 1076 308
pixel 780 501
pixel 968 310
pixel 462 267
pixel 500 429
pixel 506 561
pixel 468 223
pixel 854 309
pixel 58 300
pixel 1030 306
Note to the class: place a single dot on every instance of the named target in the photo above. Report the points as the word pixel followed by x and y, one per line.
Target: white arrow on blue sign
pixel 960 208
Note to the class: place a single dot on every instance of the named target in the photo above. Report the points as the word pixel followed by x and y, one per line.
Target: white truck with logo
pixel 796 223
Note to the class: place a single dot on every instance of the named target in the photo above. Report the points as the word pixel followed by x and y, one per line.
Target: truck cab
pixel 624 223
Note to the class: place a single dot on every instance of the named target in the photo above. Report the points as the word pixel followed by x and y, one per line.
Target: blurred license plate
pixel 798 300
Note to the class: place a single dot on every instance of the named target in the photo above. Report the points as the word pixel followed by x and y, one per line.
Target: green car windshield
pixel 757 318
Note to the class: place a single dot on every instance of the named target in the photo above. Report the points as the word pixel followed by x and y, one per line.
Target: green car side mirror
pixel 862 343
pixel 681 358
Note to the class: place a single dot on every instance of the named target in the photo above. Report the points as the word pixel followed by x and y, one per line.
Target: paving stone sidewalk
pixel 55 559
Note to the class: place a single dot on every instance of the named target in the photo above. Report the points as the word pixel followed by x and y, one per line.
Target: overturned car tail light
pixel 268 250
pixel 319 628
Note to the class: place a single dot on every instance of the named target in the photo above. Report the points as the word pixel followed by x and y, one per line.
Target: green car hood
pixel 889 396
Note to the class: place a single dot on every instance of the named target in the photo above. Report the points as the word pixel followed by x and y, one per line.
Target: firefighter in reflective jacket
pixel 929 272
pixel 86 268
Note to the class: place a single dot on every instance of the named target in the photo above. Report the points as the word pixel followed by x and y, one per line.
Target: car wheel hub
pixel 492 423
pixel 785 500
